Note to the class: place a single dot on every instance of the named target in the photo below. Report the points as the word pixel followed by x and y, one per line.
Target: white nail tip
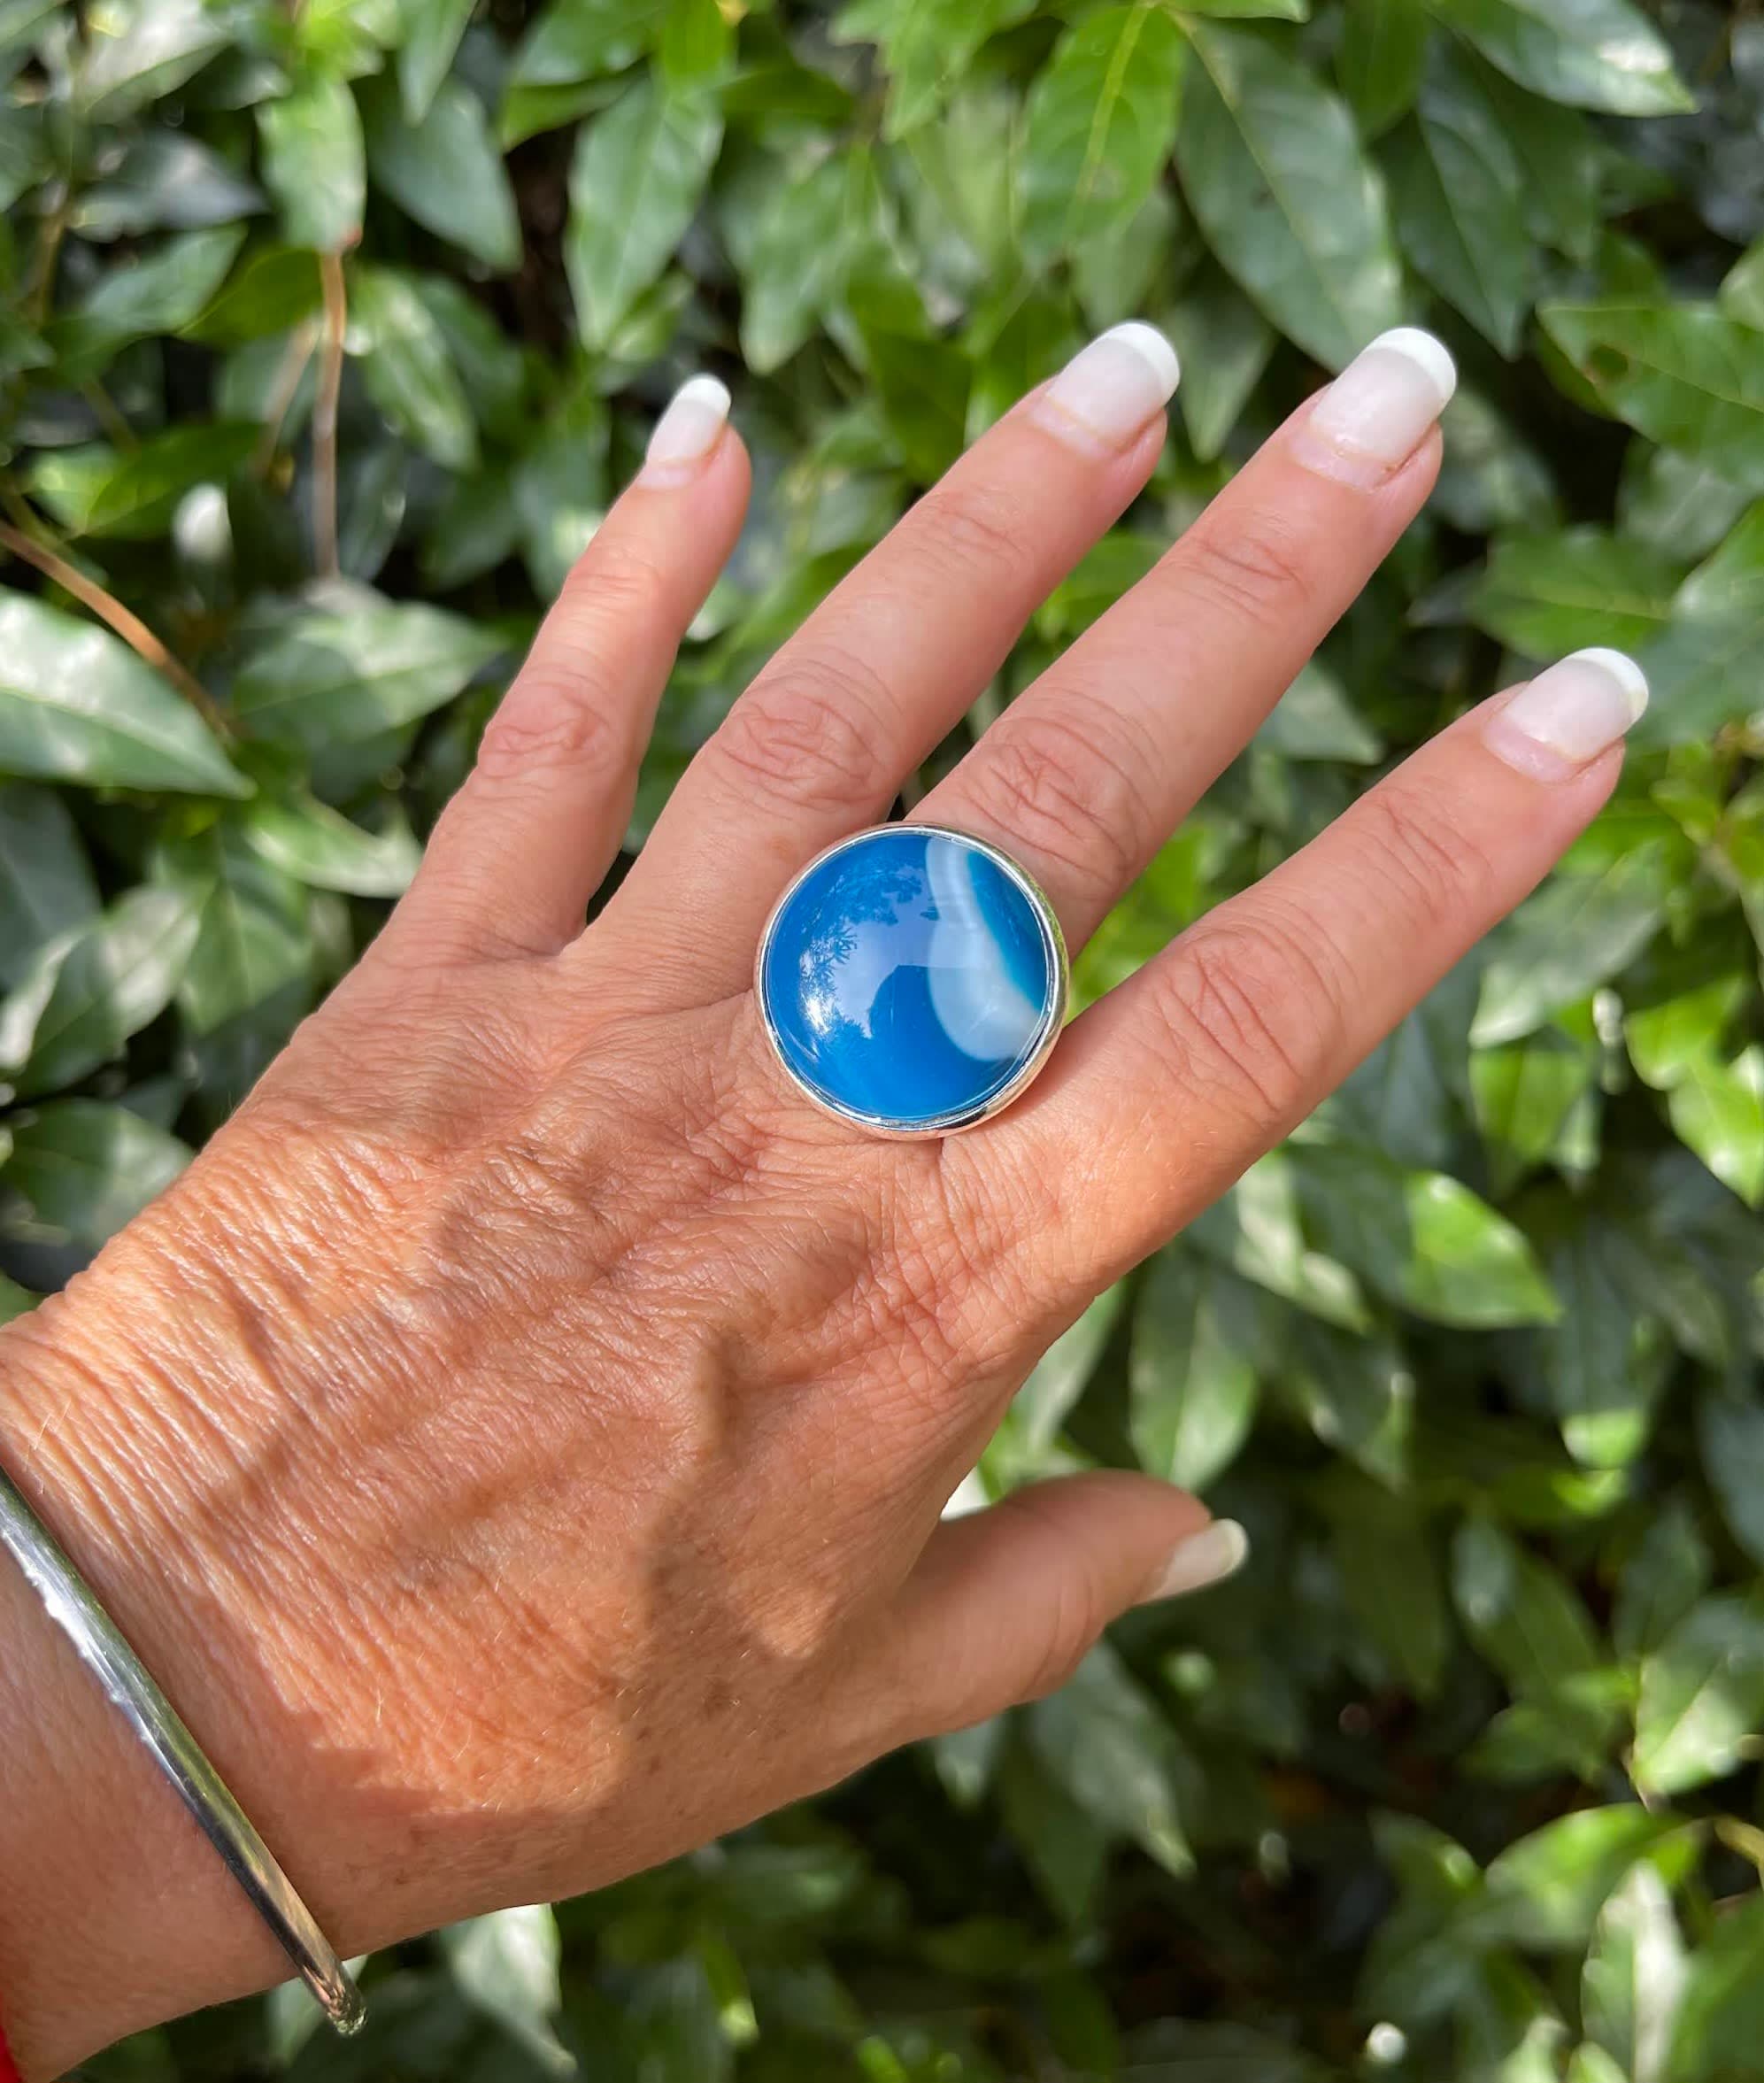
pixel 689 429
pixel 1208 1557
pixel 1159 356
pixel 1621 667
pixel 1430 355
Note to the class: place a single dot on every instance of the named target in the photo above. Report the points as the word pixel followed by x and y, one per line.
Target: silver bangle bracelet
pixel 71 1605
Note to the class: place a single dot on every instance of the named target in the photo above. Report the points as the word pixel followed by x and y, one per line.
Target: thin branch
pixel 289 370
pixel 129 627
pixel 325 417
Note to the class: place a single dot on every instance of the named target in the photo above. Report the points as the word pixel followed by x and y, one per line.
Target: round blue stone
pixel 909 980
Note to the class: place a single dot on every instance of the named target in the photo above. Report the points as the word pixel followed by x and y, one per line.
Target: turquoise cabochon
pixel 907 979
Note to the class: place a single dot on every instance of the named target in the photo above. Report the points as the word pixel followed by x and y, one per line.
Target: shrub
pixel 331 329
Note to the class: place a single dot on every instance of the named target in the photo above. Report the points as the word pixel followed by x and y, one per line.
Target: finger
pixel 1172 1085
pixel 524 845
pixel 1089 771
pixel 895 654
pixel 1004 1604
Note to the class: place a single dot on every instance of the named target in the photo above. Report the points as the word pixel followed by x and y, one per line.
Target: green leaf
pixel 1274 172
pixel 1099 122
pixel 15 1301
pixel 1522 1614
pixel 132 493
pixel 351 671
pixel 276 288
pixel 636 181
pixel 1105 1743
pixel 1392 1580
pixel 1599 1384
pixel 252 942
pixel 1545 1892
pixel 1717 1109
pixel 1702 666
pixel 577 40
pixel 1314 720
pixel 1527 1095
pixel 46 887
pixel 1547 595
pixel 1224 344
pixel 1423 1239
pixel 77 705
pixel 1594 54
pixel 319 846
pixel 1702 1695
pixel 444 171
pixel 1730 1436
pixel 921 382
pixel 1055 1382
pixel 1193 1382
pixel 138 50
pixel 507 1965
pixel 89 992
pixel 1720 2022
pixel 800 253
pixel 1379 60
pixel 1562 943
pixel 1634 1976
pixel 84 1169
pixel 1457 190
pixel 697 40
pixel 1661 1581
pixel 927 46
pixel 406 367
pixel 163 293
pixel 430 33
pixel 1684 374
pixel 314 163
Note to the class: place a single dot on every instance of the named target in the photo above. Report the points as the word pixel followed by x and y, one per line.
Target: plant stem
pixel 325 417
pixel 128 625
pixel 291 368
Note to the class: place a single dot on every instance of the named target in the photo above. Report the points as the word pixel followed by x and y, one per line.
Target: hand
pixel 518 1444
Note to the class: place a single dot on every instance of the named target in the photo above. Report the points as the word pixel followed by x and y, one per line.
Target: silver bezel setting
pixel 1053 1015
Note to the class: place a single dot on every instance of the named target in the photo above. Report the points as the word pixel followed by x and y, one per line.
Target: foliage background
pixel 329 327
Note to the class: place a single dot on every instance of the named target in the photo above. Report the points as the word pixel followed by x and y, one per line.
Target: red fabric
pixel 9 2068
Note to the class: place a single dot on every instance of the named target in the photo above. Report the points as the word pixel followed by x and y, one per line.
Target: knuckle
pixel 1252 569
pixel 553 718
pixel 1415 855
pixel 1067 782
pixel 622 585
pixel 1252 1011
pixel 978 529
pixel 810 734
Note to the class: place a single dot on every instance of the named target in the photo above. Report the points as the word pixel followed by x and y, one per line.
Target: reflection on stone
pixel 907 977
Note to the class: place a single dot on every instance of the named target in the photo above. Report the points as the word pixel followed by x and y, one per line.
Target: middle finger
pixel 1088 770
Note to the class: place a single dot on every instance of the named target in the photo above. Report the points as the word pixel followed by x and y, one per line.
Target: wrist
pixel 118 1913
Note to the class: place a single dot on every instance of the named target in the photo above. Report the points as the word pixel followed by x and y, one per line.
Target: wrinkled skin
pixel 518 1444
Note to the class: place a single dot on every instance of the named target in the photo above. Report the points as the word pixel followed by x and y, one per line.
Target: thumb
pixel 1004 1604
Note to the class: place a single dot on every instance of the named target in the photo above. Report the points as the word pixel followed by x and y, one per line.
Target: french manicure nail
pixel 1208 1557
pixel 686 431
pixel 1372 418
pixel 1111 389
pixel 1569 714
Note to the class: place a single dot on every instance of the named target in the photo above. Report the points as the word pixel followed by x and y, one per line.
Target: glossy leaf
pixel 1379 60
pixel 46 883
pixel 77 705
pixel 142 48
pixel 314 163
pixel 1274 172
pixel 1193 1379
pixel 1561 943
pixel 636 178
pixel 319 846
pixel 1702 1695
pixel 88 992
pixel 133 492
pixel 444 171
pixel 1596 54
pixel 431 34
pixel 406 366
pixel 1547 595
pixel 1099 123
pixel 83 1169
pixel 927 46
pixel 355 670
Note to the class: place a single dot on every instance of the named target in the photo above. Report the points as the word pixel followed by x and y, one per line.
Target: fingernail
pixel 1111 389
pixel 1208 1557
pixel 1372 417
pixel 1569 714
pixel 686 431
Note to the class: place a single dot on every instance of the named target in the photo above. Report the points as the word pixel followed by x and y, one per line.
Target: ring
pixel 911 980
